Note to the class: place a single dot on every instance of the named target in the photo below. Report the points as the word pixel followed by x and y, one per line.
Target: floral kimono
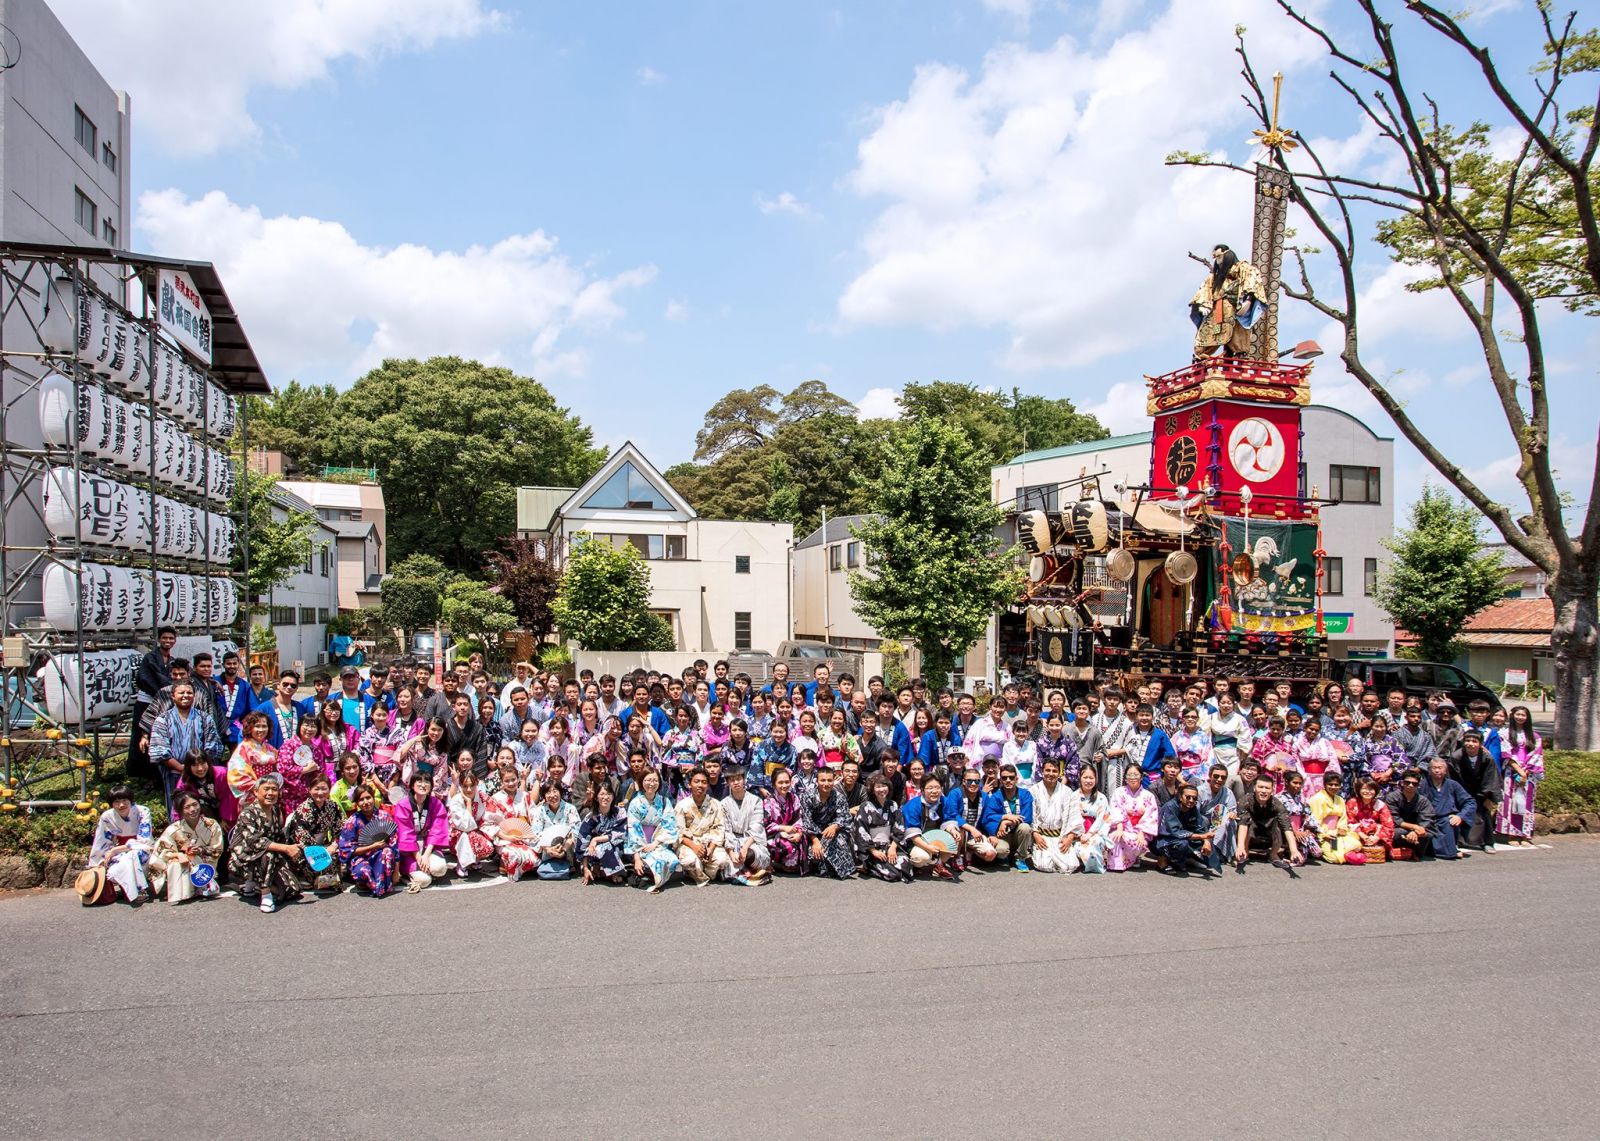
pixel 1386 759
pixel 505 821
pixel 1514 817
pixel 834 749
pixel 216 799
pixel 681 750
pixel 1275 753
pixel 606 835
pixel 1194 754
pixel 878 827
pixel 1319 761
pixel 201 844
pixel 1372 823
pixel 468 837
pixel 248 859
pixel 375 870
pixel 1338 839
pixel 127 868
pixel 250 762
pixel 654 821
pixel 318 825
pixel 550 827
pixel 1064 750
pixel 783 812
pixel 296 759
pixel 327 750
pixel 378 747
pixel 1095 842
pixel 1133 823
pixel 344 795
pixel 712 739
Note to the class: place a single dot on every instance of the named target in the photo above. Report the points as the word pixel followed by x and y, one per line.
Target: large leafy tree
pixel 451 440
pixel 937 571
pixel 1000 425
pixel 1440 575
pixel 604 599
pixel 473 610
pixel 1505 218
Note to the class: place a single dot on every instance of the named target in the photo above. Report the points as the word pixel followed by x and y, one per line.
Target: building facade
pixel 356 514
pixel 721 585
pixel 64 138
pixel 299 607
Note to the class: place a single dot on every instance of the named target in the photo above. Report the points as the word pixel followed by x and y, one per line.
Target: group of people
pixel 396 780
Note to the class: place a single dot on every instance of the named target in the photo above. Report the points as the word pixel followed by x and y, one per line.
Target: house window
pixel 852 557
pixel 1369 577
pixel 87 213
pixel 109 157
pixel 308 616
pixel 628 489
pixel 83 130
pixel 1332 576
pixel 835 557
pixel 1039 497
pixel 741 564
pixel 108 232
pixel 310 567
pixel 1349 484
pixel 324 554
pixel 322 615
pixel 741 629
pixel 675 547
pixel 283 616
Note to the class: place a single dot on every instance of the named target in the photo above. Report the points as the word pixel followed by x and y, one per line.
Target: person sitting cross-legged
pixel 964 805
pixel 1264 827
pixel 1008 820
pixel 1183 840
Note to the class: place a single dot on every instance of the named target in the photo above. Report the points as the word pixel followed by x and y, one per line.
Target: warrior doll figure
pixel 1226 306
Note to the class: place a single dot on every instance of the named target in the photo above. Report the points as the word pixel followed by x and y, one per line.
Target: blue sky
pixel 645 205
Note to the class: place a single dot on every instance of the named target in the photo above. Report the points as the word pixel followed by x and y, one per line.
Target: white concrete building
pixel 64 138
pixel 356 513
pixel 299 607
pixel 823 608
pixel 722 585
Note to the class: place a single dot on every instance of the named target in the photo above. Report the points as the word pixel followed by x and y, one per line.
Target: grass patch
pixel 37 834
pixel 1571 783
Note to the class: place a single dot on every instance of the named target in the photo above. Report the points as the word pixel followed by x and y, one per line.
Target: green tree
pixel 277 546
pixel 528 579
pixel 475 611
pixel 1501 218
pixel 1000 426
pixel 743 419
pixel 1440 575
pixel 604 599
pixel 938 572
pixel 294 420
pixel 413 592
pixel 783 501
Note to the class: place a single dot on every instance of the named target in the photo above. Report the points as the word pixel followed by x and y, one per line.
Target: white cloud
pixel 676 310
pixel 318 304
pixel 879 403
pixel 1031 198
pixel 191 68
pixel 649 76
pixel 1019 10
pixel 784 203
pixel 1123 410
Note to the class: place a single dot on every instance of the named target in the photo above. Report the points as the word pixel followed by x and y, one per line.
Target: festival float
pixel 1214 565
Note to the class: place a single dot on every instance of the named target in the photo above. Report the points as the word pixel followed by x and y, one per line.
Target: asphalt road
pixel 1449 1001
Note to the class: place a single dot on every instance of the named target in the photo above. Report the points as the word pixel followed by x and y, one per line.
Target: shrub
pixel 1571 783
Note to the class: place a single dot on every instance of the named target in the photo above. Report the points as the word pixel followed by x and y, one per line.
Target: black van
pixel 1419 679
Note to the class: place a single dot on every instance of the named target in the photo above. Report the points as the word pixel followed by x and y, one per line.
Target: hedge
pixel 1571 783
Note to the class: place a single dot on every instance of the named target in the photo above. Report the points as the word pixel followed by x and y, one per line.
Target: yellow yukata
pixel 1338 839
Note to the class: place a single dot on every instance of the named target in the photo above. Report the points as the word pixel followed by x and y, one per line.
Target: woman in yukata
pixel 190 842
pixel 378 743
pixel 880 834
pixel 1522 762
pixel 652 838
pixel 369 857
pixel 506 821
pixel 1339 840
pixel 786 837
pixel 423 753
pixel 1315 757
pixel 334 738
pixel 714 734
pixel 317 822
pixel 122 843
pixel 422 829
pixel 297 760
pixel 1096 810
pixel 1370 817
pixel 208 783
pixel 253 759
pixel 555 826
pixel 262 858
pixel 601 836
pixel 1293 799
pixel 1134 820
pixel 467 809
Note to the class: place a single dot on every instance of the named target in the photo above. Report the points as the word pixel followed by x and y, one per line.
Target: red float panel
pixel 1231 445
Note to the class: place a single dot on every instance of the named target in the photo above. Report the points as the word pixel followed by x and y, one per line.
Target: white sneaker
pixel 268 904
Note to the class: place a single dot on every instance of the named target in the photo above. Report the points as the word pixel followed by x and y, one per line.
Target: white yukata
pixel 743 821
pixel 1095 838
pixel 126 869
pixel 1055 814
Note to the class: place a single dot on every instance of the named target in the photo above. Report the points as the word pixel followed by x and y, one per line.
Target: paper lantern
pixel 107 680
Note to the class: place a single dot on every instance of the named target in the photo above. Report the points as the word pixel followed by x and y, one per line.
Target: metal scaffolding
pixel 40 744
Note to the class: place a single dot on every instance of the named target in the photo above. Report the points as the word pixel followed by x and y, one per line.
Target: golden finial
pixel 1275 138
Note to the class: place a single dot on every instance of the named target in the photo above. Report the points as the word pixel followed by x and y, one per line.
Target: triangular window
pixel 628 490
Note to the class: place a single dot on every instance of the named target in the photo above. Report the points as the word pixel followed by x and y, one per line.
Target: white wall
pixel 823 607
pixel 306 642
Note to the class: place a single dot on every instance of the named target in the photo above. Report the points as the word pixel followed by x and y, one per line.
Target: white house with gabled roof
pixel 721 584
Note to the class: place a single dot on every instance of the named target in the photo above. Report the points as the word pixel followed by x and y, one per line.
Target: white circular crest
pixel 1256 448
